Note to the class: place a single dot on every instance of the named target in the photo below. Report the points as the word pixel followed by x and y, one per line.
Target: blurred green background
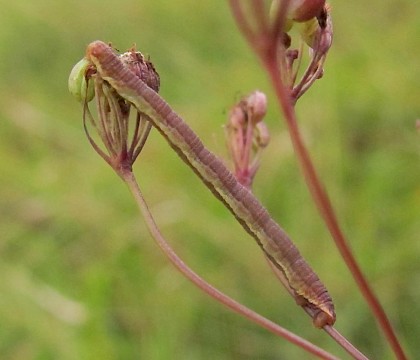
pixel 80 276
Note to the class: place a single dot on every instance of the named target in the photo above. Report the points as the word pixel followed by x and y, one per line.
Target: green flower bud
pixel 81 89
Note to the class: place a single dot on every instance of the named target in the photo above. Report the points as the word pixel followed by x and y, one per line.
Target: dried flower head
pixel 314 27
pixel 143 68
pixel 121 131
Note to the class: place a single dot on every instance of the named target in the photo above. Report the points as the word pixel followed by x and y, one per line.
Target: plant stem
pixel 330 330
pixel 134 188
pixel 265 44
pixel 323 203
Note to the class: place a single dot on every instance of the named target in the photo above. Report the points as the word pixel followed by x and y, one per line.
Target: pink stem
pixel 132 184
pixel 324 206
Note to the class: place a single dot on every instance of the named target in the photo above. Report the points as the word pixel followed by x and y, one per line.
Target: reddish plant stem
pixel 324 205
pixel 130 180
pixel 269 56
pixel 330 330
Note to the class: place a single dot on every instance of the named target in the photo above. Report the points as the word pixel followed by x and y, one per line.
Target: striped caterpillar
pixel 254 218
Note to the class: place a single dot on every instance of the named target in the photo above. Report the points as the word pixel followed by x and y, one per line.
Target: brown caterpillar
pixel 241 202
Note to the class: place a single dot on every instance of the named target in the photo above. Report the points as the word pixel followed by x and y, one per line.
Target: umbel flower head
pixel 247 136
pixel 121 130
pixel 313 23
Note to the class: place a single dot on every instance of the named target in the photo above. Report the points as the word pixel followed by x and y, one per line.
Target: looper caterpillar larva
pixel 241 202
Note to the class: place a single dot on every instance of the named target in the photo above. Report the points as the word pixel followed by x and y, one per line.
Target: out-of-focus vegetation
pixel 81 277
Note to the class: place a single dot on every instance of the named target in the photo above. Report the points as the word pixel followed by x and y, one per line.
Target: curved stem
pixel 325 208
pixel 132 184
pixel 270 60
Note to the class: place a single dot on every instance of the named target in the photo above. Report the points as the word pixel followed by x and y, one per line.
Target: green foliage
pixel 81 278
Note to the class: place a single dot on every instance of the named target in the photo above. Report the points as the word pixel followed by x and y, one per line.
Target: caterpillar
pixel 249 212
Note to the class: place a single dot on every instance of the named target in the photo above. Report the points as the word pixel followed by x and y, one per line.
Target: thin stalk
pixel 244 26
pixel 344 343
pixel 325 208
pixel 270 59
pixel 134 188
pixel 102 154
pixel 330 330
pixel 257 7
pixel 104 131
pixel 136 134
pixel 248 144
pixel 145 128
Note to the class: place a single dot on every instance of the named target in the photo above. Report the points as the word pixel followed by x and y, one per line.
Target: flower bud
pixel 304 10
pixel 257 103
pixel 79 87
pixel 316 35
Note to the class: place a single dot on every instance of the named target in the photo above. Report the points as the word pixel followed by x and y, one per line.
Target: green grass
pixel 81 278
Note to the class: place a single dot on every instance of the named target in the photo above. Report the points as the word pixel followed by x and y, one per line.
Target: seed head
pixel 247 135
pixel 116 132
pixel 143 68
